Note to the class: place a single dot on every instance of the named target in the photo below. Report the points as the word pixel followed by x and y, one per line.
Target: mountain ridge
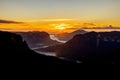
pixel 68 36
pixel 92 47
pixel 14 50
pixel 37 39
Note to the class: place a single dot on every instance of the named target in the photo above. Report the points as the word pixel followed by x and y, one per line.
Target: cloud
pixel 7 21
pixel 89 24
pixel 5 29
pixel 72 28
pixel 54 20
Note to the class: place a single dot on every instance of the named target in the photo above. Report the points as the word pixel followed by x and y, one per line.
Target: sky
pixel 98 12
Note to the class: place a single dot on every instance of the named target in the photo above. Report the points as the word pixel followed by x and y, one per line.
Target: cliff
pixel 92 47
pixel 37 39
pixel 13 49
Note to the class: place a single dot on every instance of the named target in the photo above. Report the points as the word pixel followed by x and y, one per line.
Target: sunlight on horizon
pixel 58 16
pixel 51 26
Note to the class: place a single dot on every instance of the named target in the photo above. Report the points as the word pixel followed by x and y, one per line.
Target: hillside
pixel 14 50
pixel 92 47
pixel 37 39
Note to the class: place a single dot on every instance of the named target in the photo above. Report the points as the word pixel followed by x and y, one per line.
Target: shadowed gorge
pixel 92 47
pixel 13 49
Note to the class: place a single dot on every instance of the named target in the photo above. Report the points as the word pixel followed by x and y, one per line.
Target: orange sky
pixel 53 25
pixel 58 15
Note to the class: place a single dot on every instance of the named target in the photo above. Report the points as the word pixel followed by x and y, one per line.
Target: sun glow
pixel 60 26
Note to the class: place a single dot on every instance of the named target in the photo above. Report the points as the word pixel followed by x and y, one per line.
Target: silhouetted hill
pixel 13 49
pixel 68 36
pixel 37 39
pixel 92 47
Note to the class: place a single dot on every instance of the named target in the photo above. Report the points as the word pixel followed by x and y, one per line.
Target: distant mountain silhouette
pixel 13 49
pixel 92 47
pixel 105 27
pixel 68 36
pixel 37 39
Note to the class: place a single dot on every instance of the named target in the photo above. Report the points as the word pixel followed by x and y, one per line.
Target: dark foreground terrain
pixel 13 49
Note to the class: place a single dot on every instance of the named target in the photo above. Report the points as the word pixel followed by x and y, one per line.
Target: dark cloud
pixel 89 24
pixel 72 28
pixel 7 21
pixel 5 29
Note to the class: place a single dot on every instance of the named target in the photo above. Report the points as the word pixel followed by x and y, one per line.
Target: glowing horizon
pixel 51 26
pixel 58 15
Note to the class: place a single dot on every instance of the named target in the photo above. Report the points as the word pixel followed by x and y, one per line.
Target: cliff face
pixel 14 50
pixel 97 48
pixel 93 47
pixel 37 39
